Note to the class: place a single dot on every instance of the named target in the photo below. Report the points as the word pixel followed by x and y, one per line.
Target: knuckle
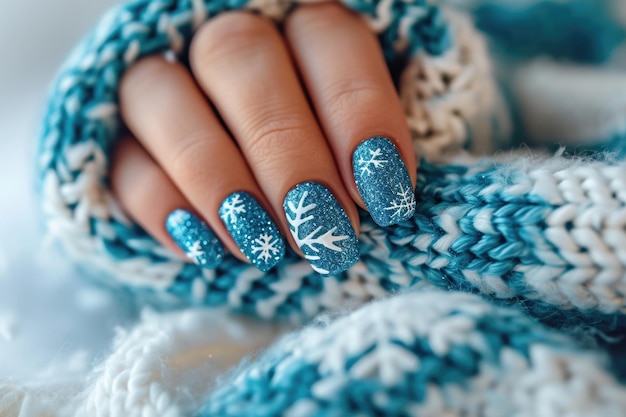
pixel 275 136
pixel 348 95
pixel 147 184
pixel 230 33
pixel 189 157
pixel 135 189
pixel 317 17
pixel 120 151
pixel 146 74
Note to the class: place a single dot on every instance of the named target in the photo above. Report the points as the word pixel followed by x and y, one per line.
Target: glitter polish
pixel 383 181
pixel 195 238
pixel 253 230
pixel 321 228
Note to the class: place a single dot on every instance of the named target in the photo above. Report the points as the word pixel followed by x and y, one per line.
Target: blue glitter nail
pixel 194 237
pixel 383 181
pixel 321 228
pixel 253 230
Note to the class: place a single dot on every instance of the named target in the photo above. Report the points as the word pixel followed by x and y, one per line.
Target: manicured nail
pixel 383 181
pixel 194 237
pixel 321 228
pixel 253 230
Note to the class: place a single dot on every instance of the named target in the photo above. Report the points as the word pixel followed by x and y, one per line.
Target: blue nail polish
pixel 321 228
pixel 194 237
pixel 383 181
pixel 253 230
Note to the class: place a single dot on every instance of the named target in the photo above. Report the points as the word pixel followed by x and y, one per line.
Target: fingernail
pixel 195 238
pixel 253 230
pixel 321 228
pixel 383 181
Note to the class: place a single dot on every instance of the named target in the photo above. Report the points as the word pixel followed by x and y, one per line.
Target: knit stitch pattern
pixel 495 244
pixel 427 353
pixel 447 91
pixel 424 354
pixel 548 237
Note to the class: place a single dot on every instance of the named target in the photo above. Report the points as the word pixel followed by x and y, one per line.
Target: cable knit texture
pixel 447 91
pixel 497 244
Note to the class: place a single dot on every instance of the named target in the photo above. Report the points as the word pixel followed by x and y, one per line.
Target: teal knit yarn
pixel 82 123
pixel 546 234
pixel 500 252
pixel 428 353
pixel 519 236
pixel 583 31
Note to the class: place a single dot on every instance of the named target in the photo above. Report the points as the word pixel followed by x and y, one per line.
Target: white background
pixel 51 323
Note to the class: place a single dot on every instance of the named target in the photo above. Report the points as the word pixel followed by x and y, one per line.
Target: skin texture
pixel 294 105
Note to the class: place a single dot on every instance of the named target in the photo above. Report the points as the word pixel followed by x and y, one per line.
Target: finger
pixel 345 73
pixel 242 63
pixel 163 107
pixel 149 197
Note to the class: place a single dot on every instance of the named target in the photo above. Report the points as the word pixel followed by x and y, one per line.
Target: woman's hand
pixel 312 126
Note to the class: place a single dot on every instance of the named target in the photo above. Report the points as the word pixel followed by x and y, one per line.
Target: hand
pixel 312 126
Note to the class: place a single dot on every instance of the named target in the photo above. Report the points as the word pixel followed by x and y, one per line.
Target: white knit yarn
pixel 163 367
pixel 588 217
pixel 449 98
pixel 552 382
pixel 432 106
pixel 137 378
pixel 167 364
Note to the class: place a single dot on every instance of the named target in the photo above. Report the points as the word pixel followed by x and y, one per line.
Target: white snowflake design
pixel 195 252
pixel 371 335
pixel 312 240
pixel 233 208
pixel 403 206
pixel 266 245
pixel 364 164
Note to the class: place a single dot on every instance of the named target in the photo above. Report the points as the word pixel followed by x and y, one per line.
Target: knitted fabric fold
pixel 507 253
pixel 446 88
pixel 428 353
pixel 425 353
pixel 547 234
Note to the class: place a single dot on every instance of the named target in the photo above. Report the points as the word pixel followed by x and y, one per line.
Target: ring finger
pixel 167 113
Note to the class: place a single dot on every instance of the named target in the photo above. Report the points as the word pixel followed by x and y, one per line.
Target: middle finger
pixel 243 65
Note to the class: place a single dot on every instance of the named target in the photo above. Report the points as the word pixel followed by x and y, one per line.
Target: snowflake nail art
pixel 195 238
pixel 403 206
pixel 232 207
pixel 267 246
pixel 321 228
pixel 383 181
pixel 373 161
pixel 253 230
